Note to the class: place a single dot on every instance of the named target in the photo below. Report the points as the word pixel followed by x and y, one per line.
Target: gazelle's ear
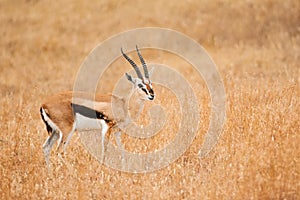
pixel 129 78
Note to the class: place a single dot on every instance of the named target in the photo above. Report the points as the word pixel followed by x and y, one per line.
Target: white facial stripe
pixel 144 88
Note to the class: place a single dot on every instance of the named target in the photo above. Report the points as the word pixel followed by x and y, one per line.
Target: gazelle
pixel 67 112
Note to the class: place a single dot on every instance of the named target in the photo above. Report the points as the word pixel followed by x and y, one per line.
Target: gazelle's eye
pixel 140 85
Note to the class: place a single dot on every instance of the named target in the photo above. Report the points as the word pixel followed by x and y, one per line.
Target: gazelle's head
pixel 142 84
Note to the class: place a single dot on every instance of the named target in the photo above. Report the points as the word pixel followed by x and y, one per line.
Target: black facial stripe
pixel 88 112
pixel 145 90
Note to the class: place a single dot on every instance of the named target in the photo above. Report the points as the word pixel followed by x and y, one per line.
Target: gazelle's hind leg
pixel 58 147
pixel 47 146
pixel 69 137
pixel 59 140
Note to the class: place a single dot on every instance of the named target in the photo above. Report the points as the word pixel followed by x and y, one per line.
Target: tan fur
pixel 59 108
pixel 57 111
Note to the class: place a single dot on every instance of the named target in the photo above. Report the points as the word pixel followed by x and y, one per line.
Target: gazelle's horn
pixel 143 63
pixel 135 67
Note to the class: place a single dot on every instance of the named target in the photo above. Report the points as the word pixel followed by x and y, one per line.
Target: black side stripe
pixel 88 112
pixel 49 128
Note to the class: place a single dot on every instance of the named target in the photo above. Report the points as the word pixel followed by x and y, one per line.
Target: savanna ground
pixel 256 46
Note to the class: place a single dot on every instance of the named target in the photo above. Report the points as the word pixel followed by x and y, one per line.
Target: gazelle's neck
pixel 135 104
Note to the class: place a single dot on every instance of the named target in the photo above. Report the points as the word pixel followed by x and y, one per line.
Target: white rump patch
pixel 49 121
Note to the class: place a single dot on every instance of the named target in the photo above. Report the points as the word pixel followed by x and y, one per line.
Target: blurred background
pixel 256 46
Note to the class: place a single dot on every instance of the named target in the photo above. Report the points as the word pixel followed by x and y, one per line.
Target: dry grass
pixel 256 46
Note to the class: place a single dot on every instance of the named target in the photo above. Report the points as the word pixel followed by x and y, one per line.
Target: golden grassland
pixel 256 46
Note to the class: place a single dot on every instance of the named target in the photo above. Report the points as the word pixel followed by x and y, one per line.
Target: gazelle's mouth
pixel 151 98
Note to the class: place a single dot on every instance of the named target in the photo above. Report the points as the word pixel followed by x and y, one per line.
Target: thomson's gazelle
pixel 69 111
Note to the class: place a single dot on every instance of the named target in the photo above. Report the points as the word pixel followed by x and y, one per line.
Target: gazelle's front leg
pixel 120 145
pixel 104 129
pixel 69 137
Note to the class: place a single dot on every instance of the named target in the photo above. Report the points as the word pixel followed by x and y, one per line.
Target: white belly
pixel 85 123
